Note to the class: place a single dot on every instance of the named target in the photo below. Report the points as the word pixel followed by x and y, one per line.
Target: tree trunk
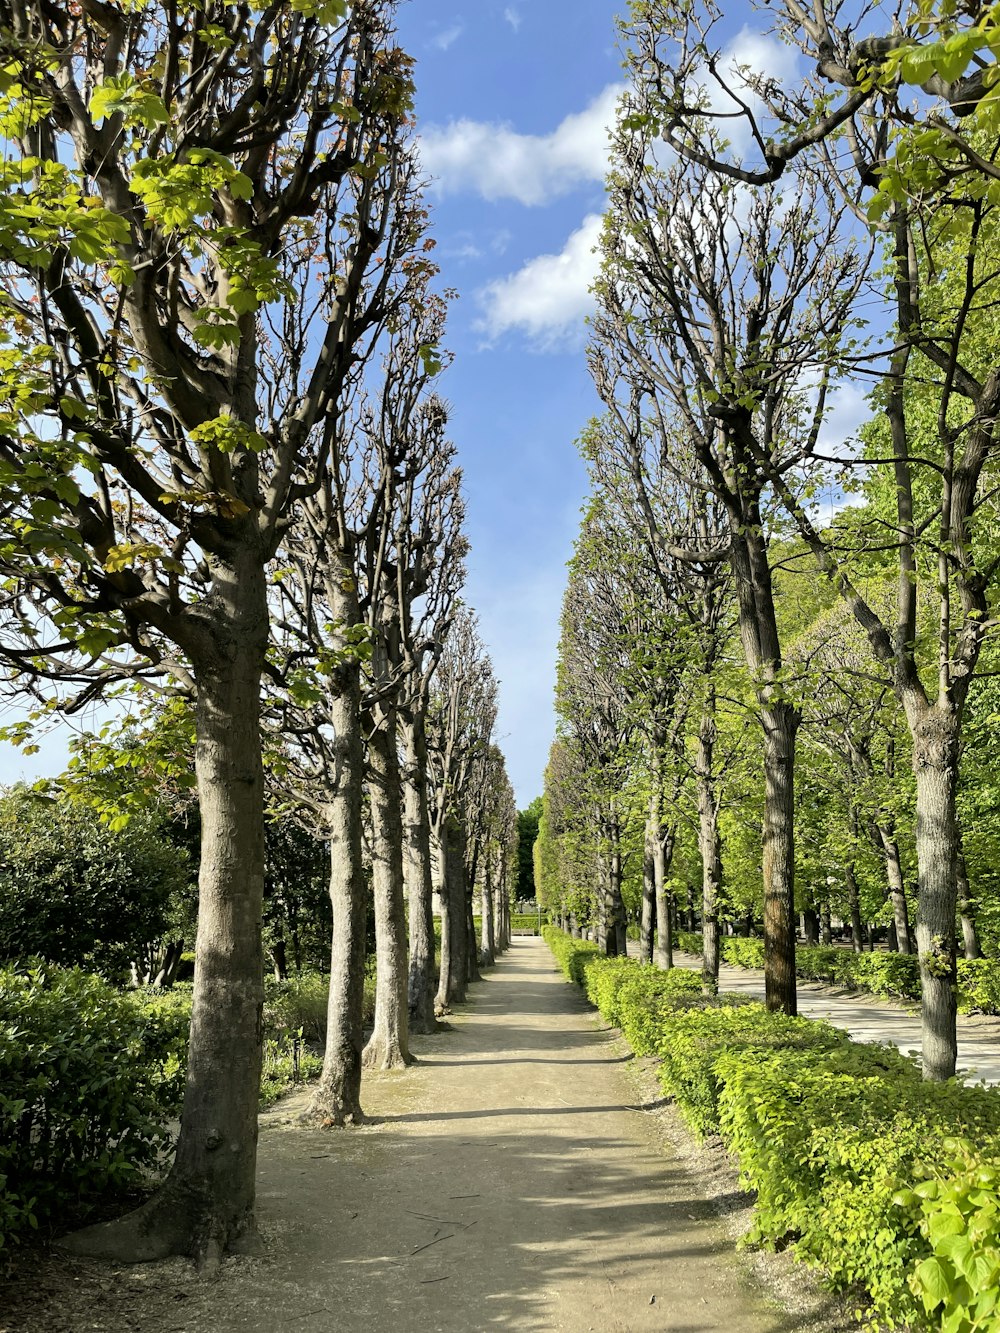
pixel 389 1045
pixel 206 1205
pixel 825 928
pixel 780 726
pixel 709 845
pixel 488 939
pixel 337 1098
pixel 417 878
pixel 279 959
pixel 167 973
pixel 617 904
pixel 897 887
pixel 472 949
pixel 454 934
pixel 647 922
pixel 810 926
pixel 780 721
pixel 968 911
pixel 935 763
pixel 663 855
pixel 854 906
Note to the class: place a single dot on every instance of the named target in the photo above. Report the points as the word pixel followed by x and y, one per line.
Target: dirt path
pixel 510 1183
pixel 868 1018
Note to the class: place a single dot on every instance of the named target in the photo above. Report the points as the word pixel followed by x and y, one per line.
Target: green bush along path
pixel 508 1180
pixel 869 1019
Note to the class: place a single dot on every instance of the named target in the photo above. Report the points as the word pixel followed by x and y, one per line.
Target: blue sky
pixel 513 101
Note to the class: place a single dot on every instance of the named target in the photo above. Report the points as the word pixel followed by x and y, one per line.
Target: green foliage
pixel 979 985
pixel 527 835
pixel 89 1078
pixel 287 1061
pixel 833 1143
pixel 603 979
pixel 885 974
pixel 740 952
pixel 689 941
pixel 888 1183
pixel 572 955
pixel 956 1205
pixel 75 891
pixel 690 1042
pixel 888 975
pixel 527 921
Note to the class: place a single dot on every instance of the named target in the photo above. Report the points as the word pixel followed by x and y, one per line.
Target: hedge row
pixel 890 1184
pixel 90 1077
pixel 885 974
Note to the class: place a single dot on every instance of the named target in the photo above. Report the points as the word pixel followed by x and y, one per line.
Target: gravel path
pixel 871 1019
pixel 510 1182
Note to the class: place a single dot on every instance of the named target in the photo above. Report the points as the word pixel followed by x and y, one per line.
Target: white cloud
pixel 497 162
pixel 549 297
pixel 448 36
pixel 512 17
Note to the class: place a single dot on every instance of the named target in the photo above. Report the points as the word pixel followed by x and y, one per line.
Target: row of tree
pixel 224 475
pixel 852 243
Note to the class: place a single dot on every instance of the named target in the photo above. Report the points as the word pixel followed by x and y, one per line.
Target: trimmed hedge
pixel 886 974
pixel 570 954
pixel 888 1183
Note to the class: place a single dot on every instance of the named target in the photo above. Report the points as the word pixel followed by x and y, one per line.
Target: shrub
pixel 740 952
pixel 297 1004
pixel 287 1061
pixel 689 941
pixel 979 985
pixel 830 1141
pixel 89 1078
pixel 645 995
pixel 691 1040
pixel 955 1204
pixel 603 978
pixel 571 955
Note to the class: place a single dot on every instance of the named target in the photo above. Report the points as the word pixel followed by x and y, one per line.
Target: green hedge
pixel 88 1078
pixel 886 974
pixel 571 955
pixel 888 1183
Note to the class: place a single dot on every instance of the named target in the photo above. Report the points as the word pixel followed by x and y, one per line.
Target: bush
pixel 603 978
pixel 954 1204
pixel 740 952
pixel 571 955
pixel 832 1141
pixel 691 1040
pixel 885 1181
pixel 297 1004
pixel 89 1078
pixel 690 941
pixel 979 986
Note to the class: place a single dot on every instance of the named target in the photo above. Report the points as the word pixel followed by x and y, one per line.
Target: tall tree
pixel 171 176
pixel 723 316
pixel 926 173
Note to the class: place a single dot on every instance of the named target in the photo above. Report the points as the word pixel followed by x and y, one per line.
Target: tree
pixel 76 892
pixel 934 200
pixel 724 310
pixel 171 177
pixel 460 721
pixel 527 832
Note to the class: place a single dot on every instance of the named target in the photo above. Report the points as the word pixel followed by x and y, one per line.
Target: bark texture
pixel 935 763
pixel 389 1045
pixel 337 1099
pixel 206 1206
pixel 417 878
